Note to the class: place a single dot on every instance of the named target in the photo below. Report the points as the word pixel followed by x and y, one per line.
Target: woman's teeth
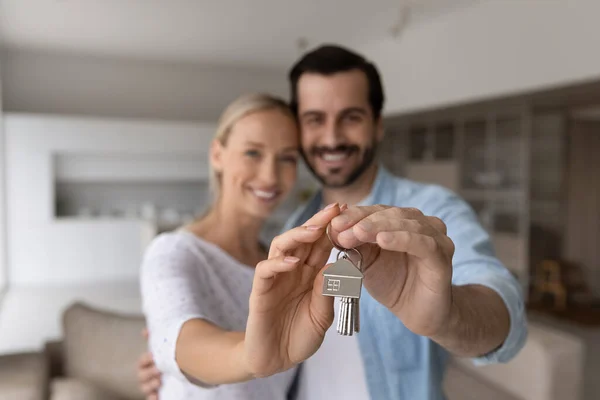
pixel 265 194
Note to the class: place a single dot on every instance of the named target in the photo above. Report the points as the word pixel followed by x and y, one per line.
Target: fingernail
pixel 330 206
pixel 291 260
pixel 313 227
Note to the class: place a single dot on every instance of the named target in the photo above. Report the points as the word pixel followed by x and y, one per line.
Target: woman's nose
pixel 268 173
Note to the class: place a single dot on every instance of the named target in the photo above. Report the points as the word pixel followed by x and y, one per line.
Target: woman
pixel 219 327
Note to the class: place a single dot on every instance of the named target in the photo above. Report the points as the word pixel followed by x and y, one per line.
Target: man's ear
pixel 216 155
pixel 379 131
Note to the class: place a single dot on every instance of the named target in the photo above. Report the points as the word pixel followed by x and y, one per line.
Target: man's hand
pixel 408 262
pixel 149 377
pixel 408 268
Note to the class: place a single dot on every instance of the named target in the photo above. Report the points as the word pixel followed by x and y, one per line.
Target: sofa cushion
pixel 23 376
pixel 75 389
pixel 102 348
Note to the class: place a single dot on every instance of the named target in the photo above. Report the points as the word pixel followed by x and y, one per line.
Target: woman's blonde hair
pixel 238 109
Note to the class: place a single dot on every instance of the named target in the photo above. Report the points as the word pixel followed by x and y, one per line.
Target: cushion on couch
pixel 75 389
pixel 102 348
pixel 23 376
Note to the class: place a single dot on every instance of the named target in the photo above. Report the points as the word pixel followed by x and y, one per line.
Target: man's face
pixel 339 135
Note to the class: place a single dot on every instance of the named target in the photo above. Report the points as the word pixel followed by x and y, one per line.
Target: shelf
pixel 127 167
pixel 492 194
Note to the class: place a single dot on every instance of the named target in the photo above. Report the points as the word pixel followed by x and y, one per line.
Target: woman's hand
pixel 288 314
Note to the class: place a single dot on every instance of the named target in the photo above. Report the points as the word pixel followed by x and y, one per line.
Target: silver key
pixel 344 279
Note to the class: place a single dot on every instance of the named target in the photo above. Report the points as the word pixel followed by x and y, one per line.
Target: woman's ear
pixel 216 155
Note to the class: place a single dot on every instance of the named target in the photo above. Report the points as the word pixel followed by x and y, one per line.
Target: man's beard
pixel 368 157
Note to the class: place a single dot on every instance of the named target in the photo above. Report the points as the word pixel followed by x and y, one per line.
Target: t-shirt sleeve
pixel 171 295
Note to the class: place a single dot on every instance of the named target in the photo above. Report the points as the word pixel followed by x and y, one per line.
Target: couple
pixel 230 318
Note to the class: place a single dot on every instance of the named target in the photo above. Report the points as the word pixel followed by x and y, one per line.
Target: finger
pixel 366 230
pixel 438 224
pixel 293 239
pixel 355 214
pixel 153 396
pixel 323 217
pixel 421 246
pixel 151 387
pixel 145 360
pixel 149 373
pixel 266 270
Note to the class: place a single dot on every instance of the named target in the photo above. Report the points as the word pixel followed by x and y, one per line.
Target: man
pixel 432 287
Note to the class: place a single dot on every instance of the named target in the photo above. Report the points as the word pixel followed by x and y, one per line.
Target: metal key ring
pixel 340 248
pixel 360 259
pixel 344 250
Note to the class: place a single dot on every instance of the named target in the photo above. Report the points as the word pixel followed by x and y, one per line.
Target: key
pixel 344 279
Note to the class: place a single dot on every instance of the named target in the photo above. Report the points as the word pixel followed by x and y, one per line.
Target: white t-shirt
pixel 184 277
pixel 336 370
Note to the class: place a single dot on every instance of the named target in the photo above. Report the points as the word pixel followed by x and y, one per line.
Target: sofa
pixel 97 355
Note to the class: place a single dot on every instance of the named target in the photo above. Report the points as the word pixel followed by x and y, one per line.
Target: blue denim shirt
pixel 400 365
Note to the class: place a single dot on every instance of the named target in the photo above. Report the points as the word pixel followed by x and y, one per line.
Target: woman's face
pixel 258 162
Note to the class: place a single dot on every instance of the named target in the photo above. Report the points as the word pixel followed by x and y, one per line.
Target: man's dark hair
pixel 331 59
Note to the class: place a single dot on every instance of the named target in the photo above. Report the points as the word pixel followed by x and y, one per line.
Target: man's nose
pixel 331 135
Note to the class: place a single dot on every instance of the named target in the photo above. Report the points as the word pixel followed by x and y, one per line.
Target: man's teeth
pixel 264 194
pixel 334 156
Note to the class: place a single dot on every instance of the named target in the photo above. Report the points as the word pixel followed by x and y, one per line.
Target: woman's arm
pixel 210 354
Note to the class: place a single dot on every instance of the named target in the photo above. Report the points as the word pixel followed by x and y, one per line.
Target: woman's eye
pixel 252 153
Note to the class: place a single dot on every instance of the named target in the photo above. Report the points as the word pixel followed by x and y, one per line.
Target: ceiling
pixel 243 32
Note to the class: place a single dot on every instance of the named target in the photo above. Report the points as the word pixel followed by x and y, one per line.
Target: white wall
pixel 494 48
pixel 77 84
pixel 3 264
pixel 46 251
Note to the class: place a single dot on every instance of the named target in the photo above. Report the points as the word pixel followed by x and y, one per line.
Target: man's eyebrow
pixel 349 110
pixel 356 109
pixel 312 113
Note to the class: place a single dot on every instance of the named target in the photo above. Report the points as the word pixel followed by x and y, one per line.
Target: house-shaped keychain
pixel 342 279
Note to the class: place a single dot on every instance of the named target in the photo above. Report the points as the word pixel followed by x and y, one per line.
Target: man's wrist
pixel 448 332
pixel 478 322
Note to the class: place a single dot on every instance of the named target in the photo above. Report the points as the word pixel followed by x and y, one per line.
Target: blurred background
pixel 108 108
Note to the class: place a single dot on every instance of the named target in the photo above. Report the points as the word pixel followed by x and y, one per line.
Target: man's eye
pixel 313 121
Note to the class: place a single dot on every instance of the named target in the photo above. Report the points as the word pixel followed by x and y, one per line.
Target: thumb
pixel 321 306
